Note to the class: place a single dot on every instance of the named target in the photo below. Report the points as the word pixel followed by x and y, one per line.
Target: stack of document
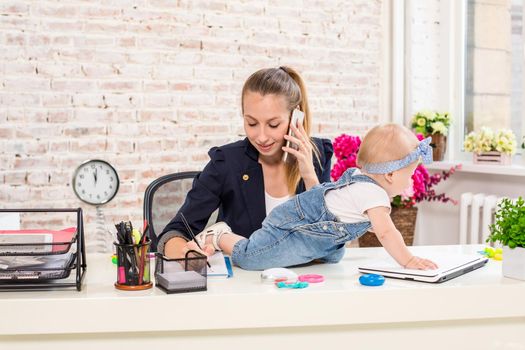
pixel 181 281
pixel 36 267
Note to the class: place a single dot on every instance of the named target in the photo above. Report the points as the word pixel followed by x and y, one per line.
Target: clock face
pixel 95 182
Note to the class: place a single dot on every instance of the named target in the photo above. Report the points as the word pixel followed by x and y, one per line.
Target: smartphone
pixel 297 118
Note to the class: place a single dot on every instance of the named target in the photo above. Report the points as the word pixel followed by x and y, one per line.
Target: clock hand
pixel 95 176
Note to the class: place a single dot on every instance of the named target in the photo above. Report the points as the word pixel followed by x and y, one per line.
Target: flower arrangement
pixel 430 123
pixel 487 140
pixel 346 148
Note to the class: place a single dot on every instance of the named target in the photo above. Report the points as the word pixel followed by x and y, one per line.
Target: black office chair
pixel 163 199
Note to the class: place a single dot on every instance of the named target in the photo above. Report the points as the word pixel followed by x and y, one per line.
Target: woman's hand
pixel 207 250
pixel 303 154
pixel 175 248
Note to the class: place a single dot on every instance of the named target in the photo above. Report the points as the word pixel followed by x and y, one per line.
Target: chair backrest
pixel 163 199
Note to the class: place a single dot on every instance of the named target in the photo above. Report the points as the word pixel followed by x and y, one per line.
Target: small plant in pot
pixel 509 230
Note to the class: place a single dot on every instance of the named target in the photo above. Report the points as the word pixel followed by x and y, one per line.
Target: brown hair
pixel 286 82
pixel 385 143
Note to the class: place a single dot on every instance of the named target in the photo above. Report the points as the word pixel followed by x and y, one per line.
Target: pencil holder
pixel 188 274
pixel 133 266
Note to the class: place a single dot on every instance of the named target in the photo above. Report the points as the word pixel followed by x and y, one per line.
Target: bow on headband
pixel 423 151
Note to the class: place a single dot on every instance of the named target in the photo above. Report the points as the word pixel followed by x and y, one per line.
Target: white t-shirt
pixel 349 203
pixel 272 202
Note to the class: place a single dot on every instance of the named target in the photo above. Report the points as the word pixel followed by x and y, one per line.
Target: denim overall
pixel 301 230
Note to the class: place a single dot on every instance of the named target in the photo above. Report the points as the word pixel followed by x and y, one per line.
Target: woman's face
pixel 266 120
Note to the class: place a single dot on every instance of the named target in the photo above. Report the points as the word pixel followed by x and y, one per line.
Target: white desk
pixel 478 310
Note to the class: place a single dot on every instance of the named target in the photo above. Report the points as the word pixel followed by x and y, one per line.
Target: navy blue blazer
pixel 233 182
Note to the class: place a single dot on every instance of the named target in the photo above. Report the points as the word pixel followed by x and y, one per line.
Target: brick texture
pixel 149 86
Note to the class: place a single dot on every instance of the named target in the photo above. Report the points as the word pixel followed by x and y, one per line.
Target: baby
pixel 315 225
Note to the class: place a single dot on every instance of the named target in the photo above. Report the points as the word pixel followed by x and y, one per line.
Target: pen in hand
pixel 192 235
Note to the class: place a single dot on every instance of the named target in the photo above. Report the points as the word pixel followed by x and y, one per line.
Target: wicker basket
pixel 405 221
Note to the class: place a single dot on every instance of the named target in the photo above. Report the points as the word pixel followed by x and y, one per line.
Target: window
pixel 467 58
pixel 494 59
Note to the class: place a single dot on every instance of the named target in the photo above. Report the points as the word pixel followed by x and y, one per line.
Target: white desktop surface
pixel 480 309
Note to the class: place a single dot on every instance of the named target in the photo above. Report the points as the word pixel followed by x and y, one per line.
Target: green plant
pixel 509 225
pixel 429 123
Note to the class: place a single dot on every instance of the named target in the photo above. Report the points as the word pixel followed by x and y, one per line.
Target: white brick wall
pixel 135 82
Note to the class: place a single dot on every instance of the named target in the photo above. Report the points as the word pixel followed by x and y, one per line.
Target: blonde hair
pixel 385 143
pixel 286 82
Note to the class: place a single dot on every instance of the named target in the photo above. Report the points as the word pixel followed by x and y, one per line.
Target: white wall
pixel 438 223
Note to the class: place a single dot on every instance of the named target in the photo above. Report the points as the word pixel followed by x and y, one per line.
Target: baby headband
pixel 423 150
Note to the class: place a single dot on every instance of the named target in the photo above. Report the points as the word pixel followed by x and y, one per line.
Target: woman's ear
pixel 389 177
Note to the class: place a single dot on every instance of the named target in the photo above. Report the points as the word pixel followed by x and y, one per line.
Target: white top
pixel 272 202
pixel 350 203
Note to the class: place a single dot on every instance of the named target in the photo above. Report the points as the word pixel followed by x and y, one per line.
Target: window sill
pixel 469 167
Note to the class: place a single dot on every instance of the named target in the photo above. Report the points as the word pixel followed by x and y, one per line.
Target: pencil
pixel 192 235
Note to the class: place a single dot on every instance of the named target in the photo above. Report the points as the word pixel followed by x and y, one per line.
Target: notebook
pixel 450 265
pixel 220 266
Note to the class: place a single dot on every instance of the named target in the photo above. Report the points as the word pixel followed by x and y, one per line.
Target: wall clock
pixel 95 182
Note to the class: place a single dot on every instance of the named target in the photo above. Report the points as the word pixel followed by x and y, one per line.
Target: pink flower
pixel 346 148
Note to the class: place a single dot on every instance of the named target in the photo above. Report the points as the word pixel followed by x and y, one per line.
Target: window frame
pixel 452 39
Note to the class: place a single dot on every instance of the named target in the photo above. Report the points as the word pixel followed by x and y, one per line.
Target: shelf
pixel 45 264
pixel 469 167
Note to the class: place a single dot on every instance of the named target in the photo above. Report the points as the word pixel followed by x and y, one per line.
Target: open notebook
pixel 450 265
pixel 220 266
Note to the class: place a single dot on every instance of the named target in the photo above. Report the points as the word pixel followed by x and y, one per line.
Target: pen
pixel 121 259
pixel 143 253
pixel 192 235
pixel 144 236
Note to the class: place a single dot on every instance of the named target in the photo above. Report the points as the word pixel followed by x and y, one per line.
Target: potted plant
pixel 491 147
pixel 435 125
pixel 509 230
pixel 404 210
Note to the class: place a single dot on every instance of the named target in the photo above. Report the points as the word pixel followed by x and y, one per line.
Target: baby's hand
pixel 418 263
pixel 207 250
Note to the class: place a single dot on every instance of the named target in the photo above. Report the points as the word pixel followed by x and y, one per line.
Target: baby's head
pixel 389 153
pixel 385 143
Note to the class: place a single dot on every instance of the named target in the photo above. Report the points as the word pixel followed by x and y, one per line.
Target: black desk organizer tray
pixel 183 275
pixel 39 258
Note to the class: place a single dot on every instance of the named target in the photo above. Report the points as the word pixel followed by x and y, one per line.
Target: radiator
pixel 476 213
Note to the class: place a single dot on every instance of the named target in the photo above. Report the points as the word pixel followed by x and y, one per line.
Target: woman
pixel 247 179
